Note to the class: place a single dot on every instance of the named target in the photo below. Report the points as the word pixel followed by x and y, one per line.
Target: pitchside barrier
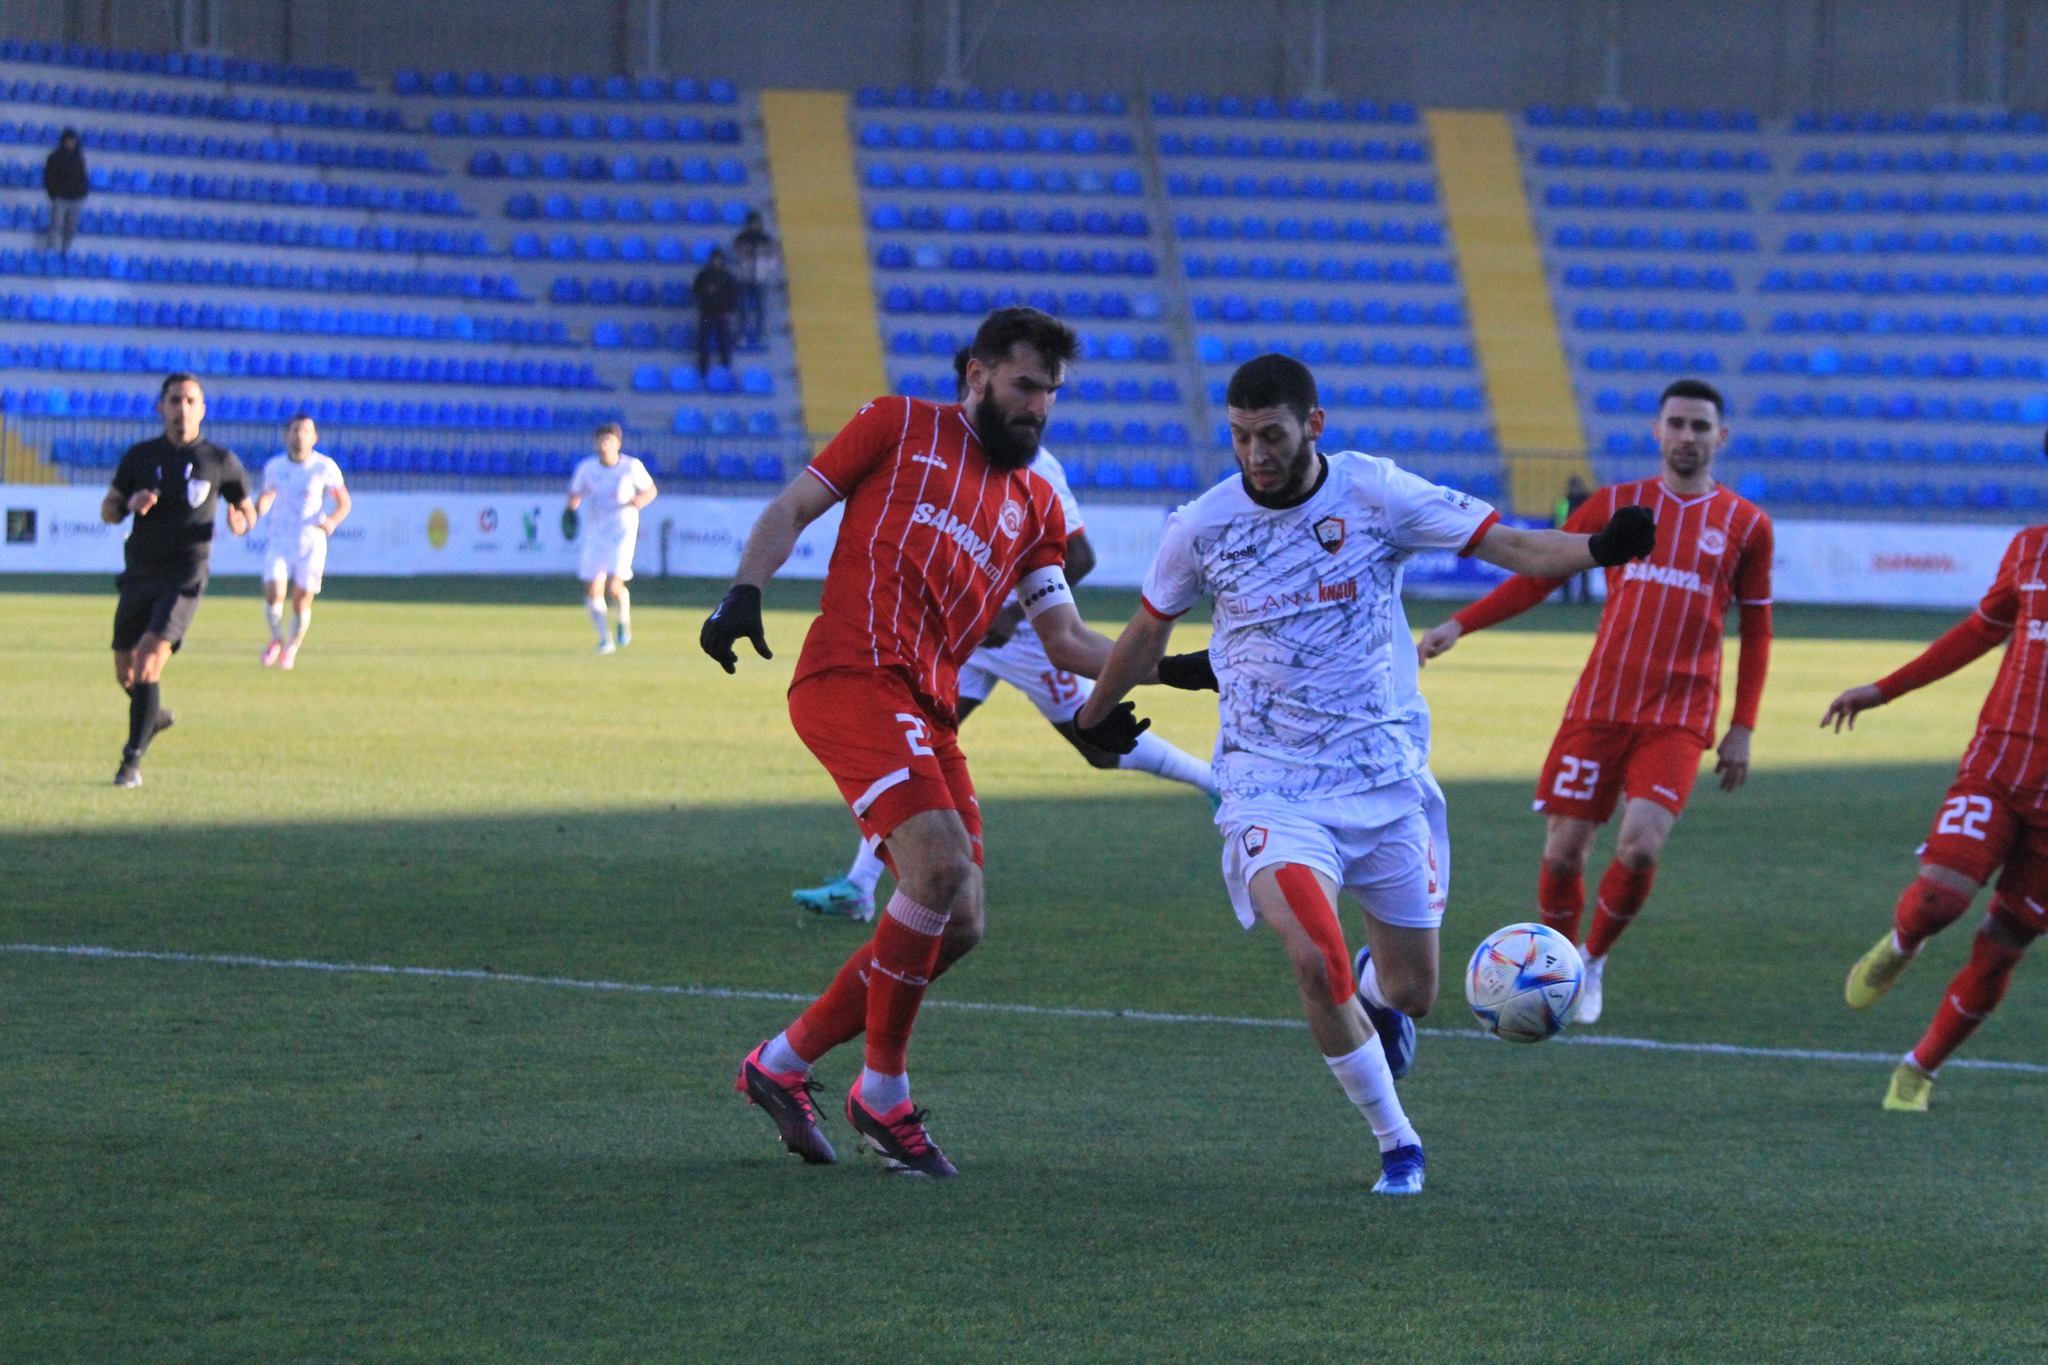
pixel 56 529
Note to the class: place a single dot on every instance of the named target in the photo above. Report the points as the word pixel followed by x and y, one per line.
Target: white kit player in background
pixel 296 487
pixel 1323 753
pixel 616 487
pixel 1011 653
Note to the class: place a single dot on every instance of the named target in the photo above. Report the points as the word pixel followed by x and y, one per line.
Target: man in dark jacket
pixel 64 179
pixel 718 294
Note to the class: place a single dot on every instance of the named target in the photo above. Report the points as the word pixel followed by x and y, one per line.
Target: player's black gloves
pixel 738 618
pixel 1190 672
pixel 1117 732
pixel 1631 534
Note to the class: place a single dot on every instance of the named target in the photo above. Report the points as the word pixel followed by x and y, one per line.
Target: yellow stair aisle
pixel 824 255
pixel 1514 322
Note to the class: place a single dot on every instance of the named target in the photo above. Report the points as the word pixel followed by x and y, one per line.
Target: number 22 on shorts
pixel 1576 779
pixel 1964 815
pixel 914 732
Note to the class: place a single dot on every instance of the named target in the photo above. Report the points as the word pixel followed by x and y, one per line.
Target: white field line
pixel 87 950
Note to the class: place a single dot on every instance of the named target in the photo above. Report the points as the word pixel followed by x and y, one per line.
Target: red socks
pixel 906 953
pixel 1974 993
pixel 1304 895
pixel 1561 897
pixel 839 1014
pixel 1622 893
pixel 1925 909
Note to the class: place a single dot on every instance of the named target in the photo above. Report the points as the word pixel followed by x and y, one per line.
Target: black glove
pixel 1189 672
pixel 1117 732
pixel 738 618
pixel 1631 534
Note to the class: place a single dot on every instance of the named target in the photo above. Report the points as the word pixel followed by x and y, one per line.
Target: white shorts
pixel 1398 867
pixel 300 558
pixel 1022 664
pixel 608 555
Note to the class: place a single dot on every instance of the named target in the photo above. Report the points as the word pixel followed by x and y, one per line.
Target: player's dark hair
pixel 172 381
pixel 1693 388
pixel 960 359
pixel 1001 330
pixel 297 418
pixel 609 429
pixel 1273 381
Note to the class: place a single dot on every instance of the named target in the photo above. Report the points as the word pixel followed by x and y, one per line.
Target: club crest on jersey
pixel 1329 533
pixel 1712 541
pixel 1011 520
pixel 196 491
pixel 1255 841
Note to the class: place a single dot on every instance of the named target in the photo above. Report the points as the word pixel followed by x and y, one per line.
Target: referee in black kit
pixel 171 484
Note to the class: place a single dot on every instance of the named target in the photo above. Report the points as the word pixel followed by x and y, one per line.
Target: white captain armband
pixel 1042 589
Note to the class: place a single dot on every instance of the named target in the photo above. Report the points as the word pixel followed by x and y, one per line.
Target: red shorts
pixel 1981 828
pixel 1592 764
pixel 890 756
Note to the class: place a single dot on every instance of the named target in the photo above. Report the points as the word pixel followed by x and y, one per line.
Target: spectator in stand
pixel 64 179
pixel 718 294
pixel 1575 495
pixel 753 255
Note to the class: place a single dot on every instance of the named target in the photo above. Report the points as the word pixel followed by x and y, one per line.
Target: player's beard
pixel 1009 443
pixel 1299 482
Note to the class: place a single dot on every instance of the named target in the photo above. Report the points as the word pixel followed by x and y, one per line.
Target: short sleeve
pixel 1174 582
pixel 2001 605
pixel 579 485
pixel 234 478
pixel 1753 573
pixel 334 478
pixel 1427 516
pixel 642 480
pixel 1051 551
pixel 127 479
pixel 270 476
pixel 862 445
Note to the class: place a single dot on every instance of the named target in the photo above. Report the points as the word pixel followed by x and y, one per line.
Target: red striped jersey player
pixel 1646 704
pixel 1995 816
pixel 944 517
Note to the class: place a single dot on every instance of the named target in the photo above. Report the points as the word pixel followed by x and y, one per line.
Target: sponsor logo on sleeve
pixel 1329 533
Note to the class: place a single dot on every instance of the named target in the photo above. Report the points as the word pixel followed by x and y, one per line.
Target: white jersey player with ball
pixel 607 492
pixel 1322 758
pixel 293 506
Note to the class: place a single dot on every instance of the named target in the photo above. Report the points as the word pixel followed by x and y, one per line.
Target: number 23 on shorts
pixel 1577 778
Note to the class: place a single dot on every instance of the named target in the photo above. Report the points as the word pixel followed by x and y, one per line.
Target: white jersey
pixel 1311 648
pixel 608 492
pixel 1044 465
pixel 301 487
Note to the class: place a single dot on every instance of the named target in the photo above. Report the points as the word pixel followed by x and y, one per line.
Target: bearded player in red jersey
pixel 943 518
pixel 1645 706
pixel 1992 817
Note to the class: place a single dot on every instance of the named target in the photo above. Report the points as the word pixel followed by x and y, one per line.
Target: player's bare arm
pixel 1731 757
pixel 1843 710
pixel 1540 553
pixel 644 496
pixel 575 501
pixel 769 546
pixel 343 505
pixel 241 516
pixel 1080 563
pixel 1133 660
pixel 114 507
pixel 264 502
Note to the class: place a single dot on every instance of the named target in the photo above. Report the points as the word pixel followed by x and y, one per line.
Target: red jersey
pixel 1657 658
pixel 2011 747
pixel 933 539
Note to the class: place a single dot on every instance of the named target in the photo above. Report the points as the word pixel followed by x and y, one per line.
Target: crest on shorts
pixel 1712 541
pixel 1329 533
pixel 1255 841
pixel 1012 519
pixel 196 491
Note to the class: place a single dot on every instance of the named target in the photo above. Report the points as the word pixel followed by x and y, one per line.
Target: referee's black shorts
pixel 159 606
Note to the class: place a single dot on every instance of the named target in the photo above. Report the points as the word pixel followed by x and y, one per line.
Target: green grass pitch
pixel 218 1163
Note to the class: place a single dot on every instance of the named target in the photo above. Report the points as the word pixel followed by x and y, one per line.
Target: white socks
pixel 867 868
pixel 1155 755
pixel 780 1057
pixel 595 605
pixel 1370 1086
pixel 273 612
pixel 625 611
pixel 1369 986
pixel 882 1093
pixel 302 621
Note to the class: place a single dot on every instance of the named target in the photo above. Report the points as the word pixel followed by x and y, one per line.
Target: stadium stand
pixel 1875 334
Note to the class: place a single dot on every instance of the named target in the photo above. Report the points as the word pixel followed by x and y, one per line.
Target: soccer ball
pixel 1523 982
